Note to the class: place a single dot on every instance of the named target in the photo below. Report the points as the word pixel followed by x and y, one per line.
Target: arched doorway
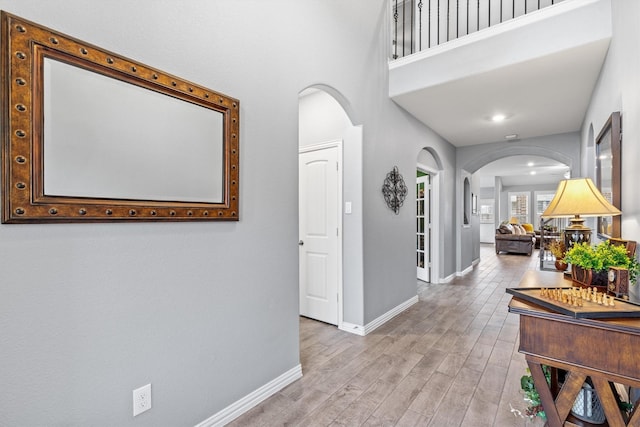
pixel 428 216
pixel 529 180
pixel 328 138
pixel 561 148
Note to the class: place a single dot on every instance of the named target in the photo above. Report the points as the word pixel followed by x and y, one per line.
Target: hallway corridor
pixel 449 360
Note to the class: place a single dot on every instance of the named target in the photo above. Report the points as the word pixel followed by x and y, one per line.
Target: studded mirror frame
pixel 24 45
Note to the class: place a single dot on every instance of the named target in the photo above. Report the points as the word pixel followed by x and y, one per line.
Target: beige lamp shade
pixel 578 197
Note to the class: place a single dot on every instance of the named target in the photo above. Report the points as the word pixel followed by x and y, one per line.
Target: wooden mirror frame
pixel 24 47
pixel 611 133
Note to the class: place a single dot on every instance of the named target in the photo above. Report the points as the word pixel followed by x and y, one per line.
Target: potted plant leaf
pixel 531 395
pixel 590 264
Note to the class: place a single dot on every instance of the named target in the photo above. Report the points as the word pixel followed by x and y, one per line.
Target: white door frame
pixel 322 146
pixel 435 249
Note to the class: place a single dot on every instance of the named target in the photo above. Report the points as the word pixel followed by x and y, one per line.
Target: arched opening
pixel 536 176
pixel 559 149
pixel 521 150
pixel 330 144
pixel 466 202
pixel 518 187
pixel 428 248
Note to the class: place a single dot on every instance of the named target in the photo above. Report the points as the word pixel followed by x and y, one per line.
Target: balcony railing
pixel 420 24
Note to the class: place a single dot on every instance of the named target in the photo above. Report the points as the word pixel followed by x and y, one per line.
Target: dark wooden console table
pixel 607 351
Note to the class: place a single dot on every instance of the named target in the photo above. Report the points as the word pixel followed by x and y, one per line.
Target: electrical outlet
pixel 141 399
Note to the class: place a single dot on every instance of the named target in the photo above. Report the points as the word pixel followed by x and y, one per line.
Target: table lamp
pixel 578 198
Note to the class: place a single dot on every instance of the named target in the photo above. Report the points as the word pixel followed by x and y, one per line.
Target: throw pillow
pixel 505 229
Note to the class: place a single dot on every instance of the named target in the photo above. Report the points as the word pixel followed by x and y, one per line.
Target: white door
pixel 487 221
pixel 318 222
pixel 423 226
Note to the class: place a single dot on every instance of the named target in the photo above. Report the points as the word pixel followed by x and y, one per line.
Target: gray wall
pixel 206 312
pixel 618 89
pixel 389 239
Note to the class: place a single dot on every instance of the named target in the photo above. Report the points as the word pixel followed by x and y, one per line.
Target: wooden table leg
pixel 558 408
pixel 570 389
pixel 608 401
pixel 548 403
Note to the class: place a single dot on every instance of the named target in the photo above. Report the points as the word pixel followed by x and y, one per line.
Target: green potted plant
pixel 589 264
pixel 531 395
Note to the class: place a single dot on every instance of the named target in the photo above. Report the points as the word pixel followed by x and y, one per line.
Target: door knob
pixel 300 243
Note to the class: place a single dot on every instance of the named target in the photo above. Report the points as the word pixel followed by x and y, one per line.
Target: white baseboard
pixel 352 328
pixel 448 279
pixel 389 315
pixel 364 330
pixel 243 405
pixel 465 271
pixel 251 400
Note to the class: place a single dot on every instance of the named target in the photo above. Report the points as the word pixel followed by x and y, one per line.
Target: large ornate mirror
pixel 608 173
pixel 88 135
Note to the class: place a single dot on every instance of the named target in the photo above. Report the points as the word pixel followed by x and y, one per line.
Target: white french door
pixel 423 227
pixel 319 210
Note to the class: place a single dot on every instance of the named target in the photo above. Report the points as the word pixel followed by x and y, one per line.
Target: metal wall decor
pixel 394 190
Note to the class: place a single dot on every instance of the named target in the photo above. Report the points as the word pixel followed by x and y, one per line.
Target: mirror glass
pixel 605 223
pixel 608 174
pixel 145 145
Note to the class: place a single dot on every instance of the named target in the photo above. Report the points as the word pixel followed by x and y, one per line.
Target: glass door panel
pixel 423 236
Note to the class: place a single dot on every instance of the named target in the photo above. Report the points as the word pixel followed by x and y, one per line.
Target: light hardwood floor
pixel 449 360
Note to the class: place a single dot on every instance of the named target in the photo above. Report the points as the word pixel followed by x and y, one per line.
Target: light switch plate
pixel 347 207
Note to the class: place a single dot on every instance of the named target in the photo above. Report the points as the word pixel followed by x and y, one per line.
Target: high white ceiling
pixel 542 96
pixel 538 71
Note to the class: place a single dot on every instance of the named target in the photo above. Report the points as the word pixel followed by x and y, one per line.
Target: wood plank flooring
pixel 449 360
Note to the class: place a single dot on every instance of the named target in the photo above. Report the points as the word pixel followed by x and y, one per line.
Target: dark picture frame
pixel 608 173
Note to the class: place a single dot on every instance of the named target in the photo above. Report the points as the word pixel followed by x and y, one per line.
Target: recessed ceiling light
pixel 512 136
pixel 530 164
pixel 498 117
pixel 532 172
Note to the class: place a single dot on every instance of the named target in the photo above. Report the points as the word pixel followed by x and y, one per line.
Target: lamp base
pixel 576 235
